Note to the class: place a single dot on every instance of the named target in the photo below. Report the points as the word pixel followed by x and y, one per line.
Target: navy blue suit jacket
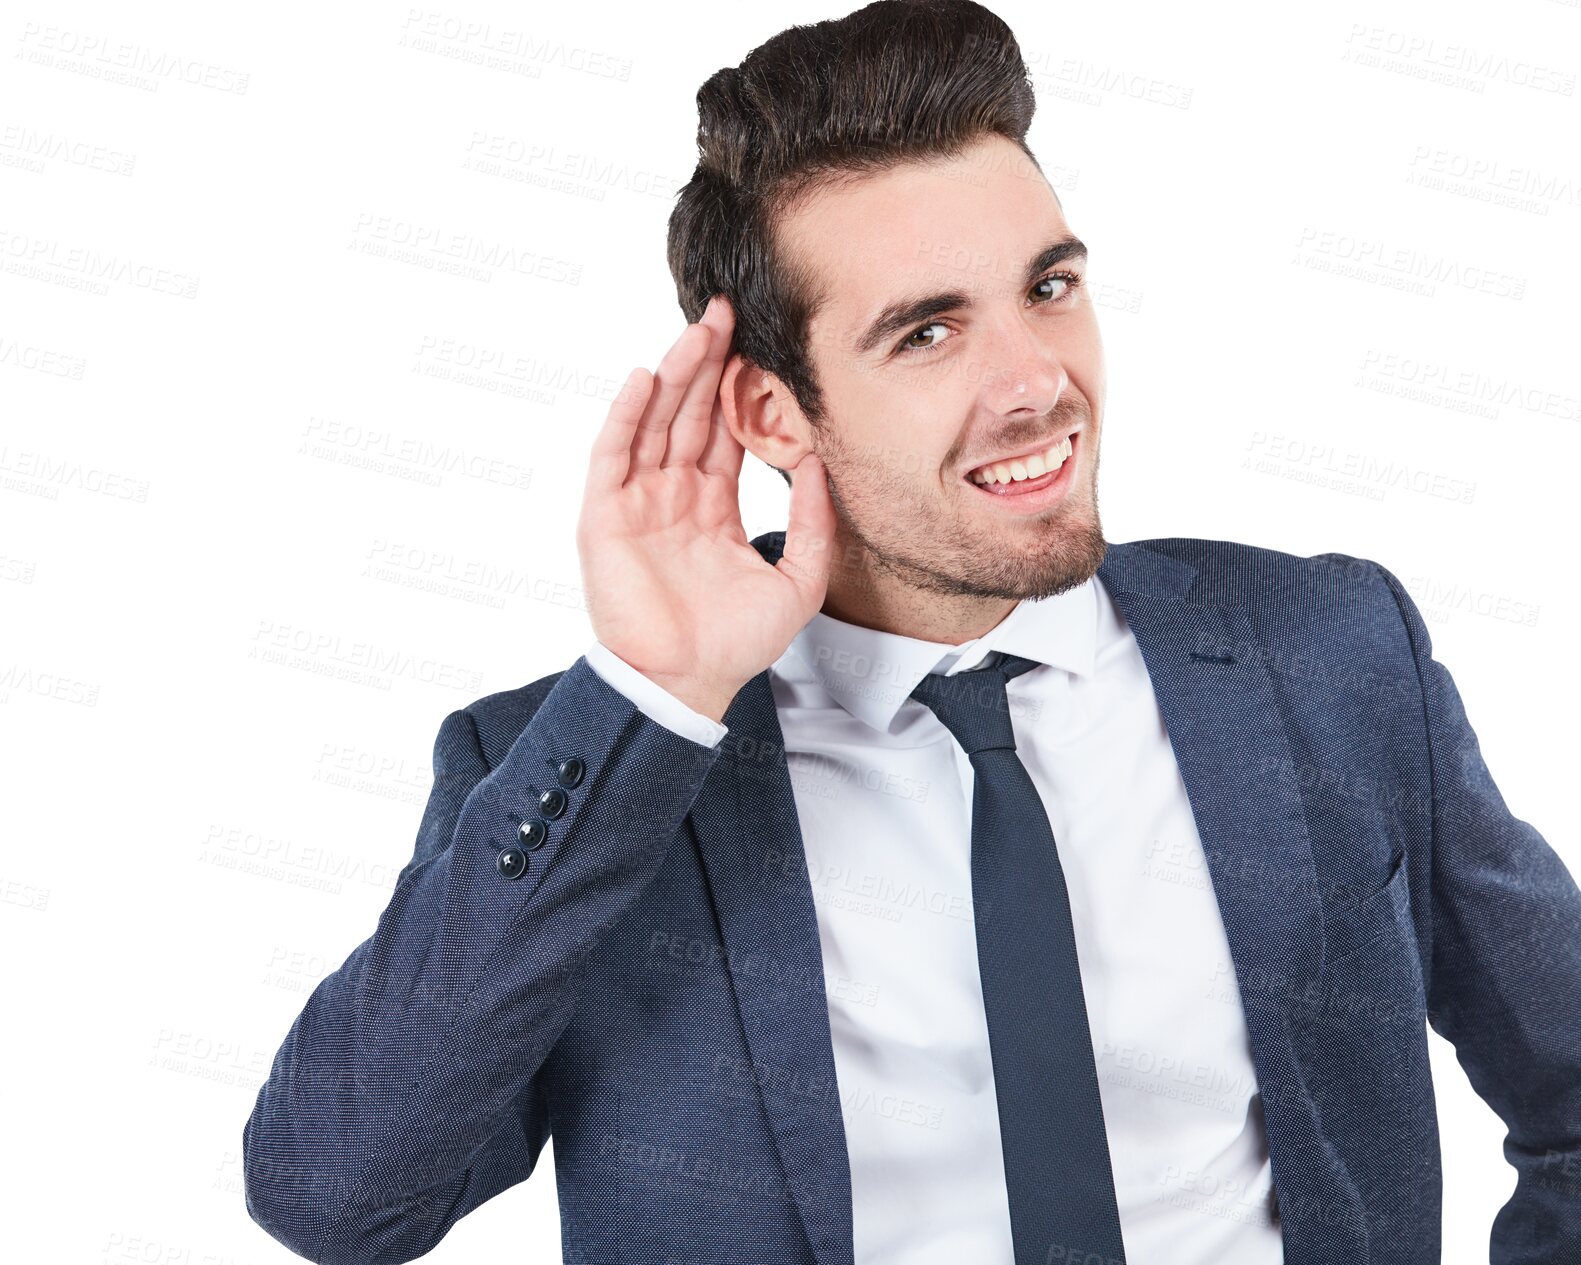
pixel 651 993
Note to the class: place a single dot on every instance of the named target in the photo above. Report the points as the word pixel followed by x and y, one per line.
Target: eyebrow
pixel 908 312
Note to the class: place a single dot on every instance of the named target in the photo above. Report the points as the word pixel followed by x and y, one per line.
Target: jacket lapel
pixel 1224 716
pixel 1209 672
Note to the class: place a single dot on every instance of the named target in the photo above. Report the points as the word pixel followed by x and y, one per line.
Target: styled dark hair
pixel 815 106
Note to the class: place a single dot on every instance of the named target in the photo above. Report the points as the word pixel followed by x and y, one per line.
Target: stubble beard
pixel 895 532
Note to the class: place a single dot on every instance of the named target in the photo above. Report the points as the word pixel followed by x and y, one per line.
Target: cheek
pixel 908 427
pixel 1086 367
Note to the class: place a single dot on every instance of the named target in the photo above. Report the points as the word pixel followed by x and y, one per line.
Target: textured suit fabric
pixel 1371 877
pixel 883 798
pixel 1057 1171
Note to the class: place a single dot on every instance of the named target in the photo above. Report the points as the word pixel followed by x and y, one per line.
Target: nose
pixel 1021 370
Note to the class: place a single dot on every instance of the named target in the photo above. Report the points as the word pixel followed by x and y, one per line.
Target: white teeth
pixel 1019 468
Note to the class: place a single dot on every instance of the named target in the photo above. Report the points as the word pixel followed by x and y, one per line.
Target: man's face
pixel 917 401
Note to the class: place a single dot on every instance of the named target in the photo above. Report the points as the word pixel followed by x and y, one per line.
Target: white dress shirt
pixel 883 796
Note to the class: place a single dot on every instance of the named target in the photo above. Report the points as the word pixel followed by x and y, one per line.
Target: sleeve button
pixel 512 862
pixel 570 771
pixel 532 834
pixel 552 802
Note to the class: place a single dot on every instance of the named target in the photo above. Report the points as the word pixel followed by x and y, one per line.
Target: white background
pixel 277 496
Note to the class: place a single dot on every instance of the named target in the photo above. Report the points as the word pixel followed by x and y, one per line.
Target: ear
pixel 763 415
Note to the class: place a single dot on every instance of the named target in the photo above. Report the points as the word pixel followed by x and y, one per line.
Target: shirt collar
pixel 871 673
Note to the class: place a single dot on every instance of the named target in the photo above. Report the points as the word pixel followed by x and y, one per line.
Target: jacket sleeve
pixel 1505 970
pixel 406 1092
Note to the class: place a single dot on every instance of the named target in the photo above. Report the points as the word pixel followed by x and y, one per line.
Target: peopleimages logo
pixel 120 61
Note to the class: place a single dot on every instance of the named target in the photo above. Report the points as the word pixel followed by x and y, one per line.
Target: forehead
pixel 966 223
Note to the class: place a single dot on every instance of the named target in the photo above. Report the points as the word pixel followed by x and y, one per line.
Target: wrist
pixel 702 697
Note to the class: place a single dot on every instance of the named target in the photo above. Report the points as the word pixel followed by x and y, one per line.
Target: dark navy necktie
pixel 1057 1169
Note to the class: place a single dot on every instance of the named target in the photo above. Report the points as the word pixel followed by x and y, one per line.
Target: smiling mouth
pixel 1023 476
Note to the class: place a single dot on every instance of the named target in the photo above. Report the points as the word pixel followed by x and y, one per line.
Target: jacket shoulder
pixel 1329 609
pixel 1233 573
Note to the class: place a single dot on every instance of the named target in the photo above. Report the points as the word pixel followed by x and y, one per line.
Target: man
pixel 933 881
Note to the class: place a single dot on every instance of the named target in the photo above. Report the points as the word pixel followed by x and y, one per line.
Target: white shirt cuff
pixel 652 699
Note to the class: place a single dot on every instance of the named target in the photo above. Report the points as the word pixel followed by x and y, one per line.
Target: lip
pixel 1022 455
pixel 1031 495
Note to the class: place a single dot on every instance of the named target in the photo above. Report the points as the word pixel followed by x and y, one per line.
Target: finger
pixel 723 452
pixel 809 532
pixel 675 373
pixel 689 432
pixel 611 455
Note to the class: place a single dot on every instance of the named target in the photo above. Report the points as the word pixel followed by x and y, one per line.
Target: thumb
pixel 809 534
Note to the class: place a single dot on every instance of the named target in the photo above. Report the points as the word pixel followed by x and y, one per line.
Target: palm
pixel 674 586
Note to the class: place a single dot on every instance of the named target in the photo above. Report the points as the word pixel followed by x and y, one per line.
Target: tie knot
pixel 974 705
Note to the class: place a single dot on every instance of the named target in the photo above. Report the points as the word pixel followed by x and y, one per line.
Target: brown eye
pixel 908 345
pixel 1062 278
pixel 1069 281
